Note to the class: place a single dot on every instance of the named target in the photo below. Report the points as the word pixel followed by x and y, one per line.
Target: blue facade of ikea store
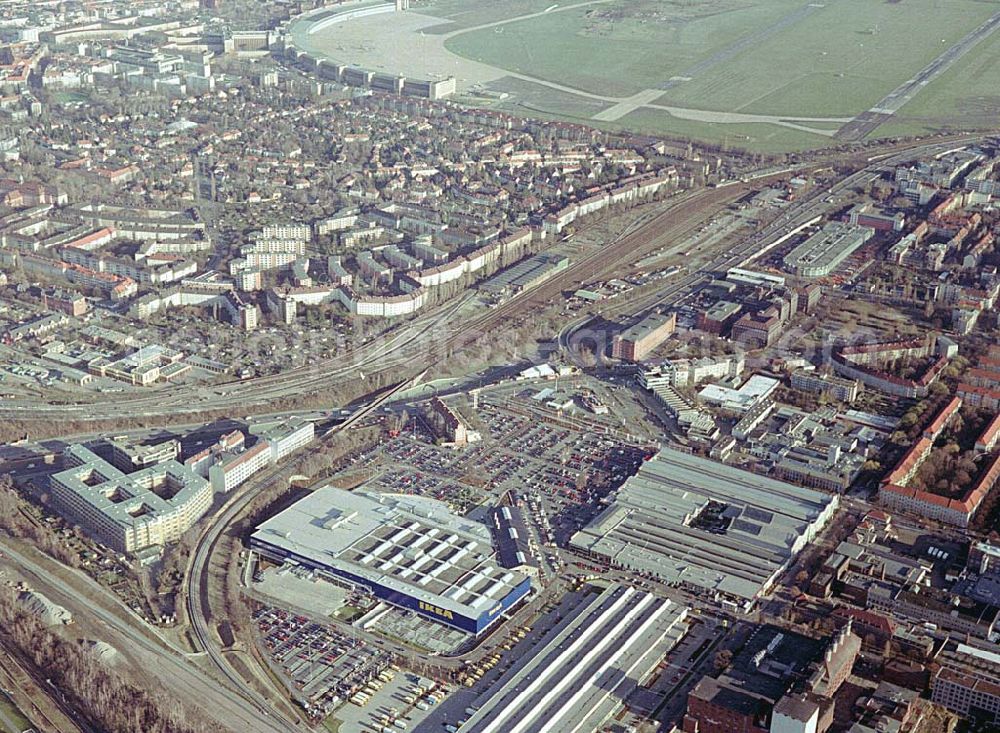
pixel 471 624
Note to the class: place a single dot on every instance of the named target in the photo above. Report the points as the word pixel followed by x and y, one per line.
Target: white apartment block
pixel 232 469
pixel 284 437
pixel 274 244
pixel 288 231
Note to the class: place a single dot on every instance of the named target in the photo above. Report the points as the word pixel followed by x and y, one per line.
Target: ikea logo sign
pixel 496 609
pixel 436 610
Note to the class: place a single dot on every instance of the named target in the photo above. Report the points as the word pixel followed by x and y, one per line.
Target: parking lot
pixel 560 472
pixel 321 667
pixel 341 679
pixel 556 468
pixel 548 462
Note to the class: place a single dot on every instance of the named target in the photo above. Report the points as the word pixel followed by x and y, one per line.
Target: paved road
pixel 405 349
pixel 674 290
pixel 396 349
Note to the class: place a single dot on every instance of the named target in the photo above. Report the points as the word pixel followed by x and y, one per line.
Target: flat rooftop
pixel 581 676
pixel 647 325
pixel 756 388
pixel 828 247
pixel 525 272
pixel 772 660
pixel 690 520
pixel 410 544
pixel 128 499
pixel 277 430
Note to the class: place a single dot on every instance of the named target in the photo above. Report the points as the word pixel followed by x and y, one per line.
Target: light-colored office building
pixel 826 250
pixel 284 436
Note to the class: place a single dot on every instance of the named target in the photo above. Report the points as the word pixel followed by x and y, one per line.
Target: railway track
pixel 13 675
pixel 406 350
pixel 677 221
pixel 197 593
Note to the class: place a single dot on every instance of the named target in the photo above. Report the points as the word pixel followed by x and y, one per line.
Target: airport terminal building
pixel 409 551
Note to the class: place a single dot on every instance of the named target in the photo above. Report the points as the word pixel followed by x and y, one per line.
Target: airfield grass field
pixel 826 59
pixel 967 95
pixel 462 14
pixel 766 75
pixel 530 99
pixel 758 137
pixel 617 57
pixel 833 62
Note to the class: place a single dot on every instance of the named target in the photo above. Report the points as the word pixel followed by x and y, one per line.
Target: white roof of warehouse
pixel 408 543
pixel 649 525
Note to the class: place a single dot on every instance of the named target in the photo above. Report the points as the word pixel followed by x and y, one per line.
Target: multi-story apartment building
pixel 231 469
pixel 896 494
pixel 967 682
pixel 284 437
pixel 129 512
pixel 265 260
pixel 844 390
pixel 339 221
pixel 302 232
pixel 260 245
pixel 65 301
pixel 129 456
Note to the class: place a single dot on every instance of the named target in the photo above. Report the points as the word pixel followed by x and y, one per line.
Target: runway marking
pixel 616 112
pixel 863 125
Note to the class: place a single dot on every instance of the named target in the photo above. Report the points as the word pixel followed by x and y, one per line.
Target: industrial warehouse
pixel 409 551
pixel 826 250
pixel 693 522
pixel 582 675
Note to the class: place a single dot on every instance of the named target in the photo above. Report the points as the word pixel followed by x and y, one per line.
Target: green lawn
pixel 832 63
pixel 470 13
pixel 765 138
pixel 10 712
pixel 621 57
pixel 348 613
pixel 967 95
pixel 791 58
